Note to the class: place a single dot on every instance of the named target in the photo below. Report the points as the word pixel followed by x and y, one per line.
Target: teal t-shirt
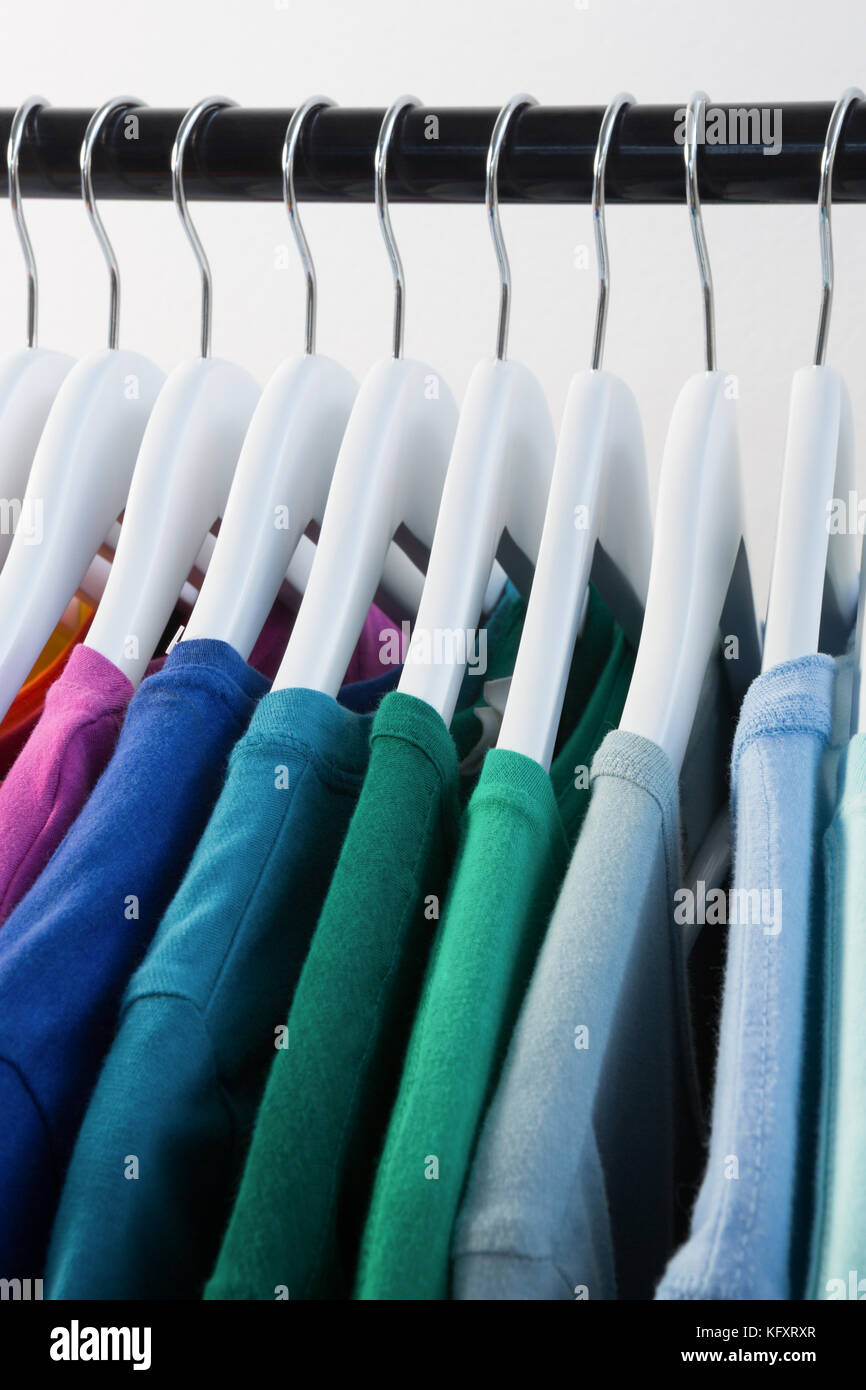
pixel 157 1159
pixel 520 825
pixel 306 1186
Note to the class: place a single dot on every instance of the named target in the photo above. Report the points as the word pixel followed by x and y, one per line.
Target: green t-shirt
pixel 297 1221
pixel 520 826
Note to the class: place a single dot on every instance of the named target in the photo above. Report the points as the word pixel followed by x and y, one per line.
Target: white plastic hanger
pixel 813 588
pixel 184 471
pixel 283 474
pixel 81 471
pixel 497 483
pixel 598 502
pixel 285 466
pixel 388 478
pixel 31 377
pixel 699 572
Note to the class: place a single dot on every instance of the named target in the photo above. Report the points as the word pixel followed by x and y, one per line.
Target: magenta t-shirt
pixel 58 765
pixel 74 738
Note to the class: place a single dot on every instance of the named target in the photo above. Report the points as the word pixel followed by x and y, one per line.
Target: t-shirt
pixel 838 1264
pixel 520 824
pixel 303 1197
pixel 838 1252
pixel 23 714
pixel 74 738
pixel 69 947
pixel 751 1221
pixel 56 770
pixel 572 1191
pixel 204 1011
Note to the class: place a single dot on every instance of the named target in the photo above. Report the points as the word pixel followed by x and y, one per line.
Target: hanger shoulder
pixel 77 487
pixel 498 477
pixel 811 539
pixel 698 533
pixel 389 472
pixel 280 485
pixel 599 495
pixel 29 382
pixel 181 480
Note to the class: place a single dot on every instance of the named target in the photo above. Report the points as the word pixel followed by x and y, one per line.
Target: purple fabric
pixel 366 662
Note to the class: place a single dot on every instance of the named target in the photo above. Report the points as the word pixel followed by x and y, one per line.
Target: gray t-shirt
pixel 572 1191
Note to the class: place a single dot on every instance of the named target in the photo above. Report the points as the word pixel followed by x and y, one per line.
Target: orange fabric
pixel 57 643
pixel 27 706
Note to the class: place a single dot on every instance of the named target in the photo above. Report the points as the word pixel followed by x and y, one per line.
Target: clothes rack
pixel 235 156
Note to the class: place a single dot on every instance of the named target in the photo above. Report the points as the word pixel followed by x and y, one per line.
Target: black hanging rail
pixel 235 155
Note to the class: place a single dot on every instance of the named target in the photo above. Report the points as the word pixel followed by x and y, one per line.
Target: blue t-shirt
pixel 752 1218
pixel 69 947
pixel 159 1155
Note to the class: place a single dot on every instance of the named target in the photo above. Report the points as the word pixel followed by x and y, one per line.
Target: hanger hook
pixel 491 198
pixel 85 160
pixel 694 112
pixel 178 150
pixel 383 144
pixel 290 145
pixel 599 167
pixel 13 150
pixel 849 97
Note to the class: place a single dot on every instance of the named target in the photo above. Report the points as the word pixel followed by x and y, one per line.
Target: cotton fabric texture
pixel 838 1254
pixel 23 714
pixel 74 737
pixel 58 767
pixel 202 1015
pixel 571 1192
pixel 68 949
pixel 753 1211
pixel 519 827
pixel 308 1177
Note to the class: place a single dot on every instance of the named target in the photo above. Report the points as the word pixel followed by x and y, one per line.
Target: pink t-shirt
pixel 74 738
pixel 57 767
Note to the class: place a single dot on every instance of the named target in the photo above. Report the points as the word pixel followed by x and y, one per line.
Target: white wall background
pixel 453 52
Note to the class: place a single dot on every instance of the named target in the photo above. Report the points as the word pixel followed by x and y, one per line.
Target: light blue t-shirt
pixel 838 1267
pixel 574 1185
pixel 752 1218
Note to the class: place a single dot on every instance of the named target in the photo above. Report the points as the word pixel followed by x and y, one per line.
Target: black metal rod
pixel 438 155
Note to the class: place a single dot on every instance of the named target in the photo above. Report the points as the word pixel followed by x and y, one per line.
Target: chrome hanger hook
pixel 599 167
pixel 85 160
pixel 178 149
pixel 491 198
pixel 849 98
pixel 290 145
pixel 383 144
pixel 694 112
pixel 13 150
